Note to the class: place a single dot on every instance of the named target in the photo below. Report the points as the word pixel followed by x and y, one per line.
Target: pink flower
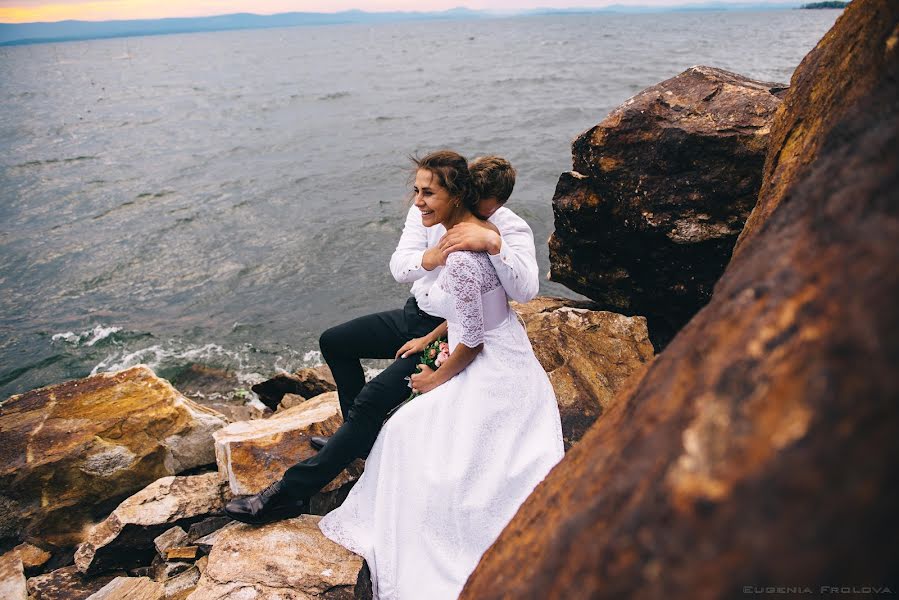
pixel 441 358
pixel 444 347
pixel 432 352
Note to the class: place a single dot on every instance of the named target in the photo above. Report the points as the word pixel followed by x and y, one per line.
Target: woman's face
pixel 432 199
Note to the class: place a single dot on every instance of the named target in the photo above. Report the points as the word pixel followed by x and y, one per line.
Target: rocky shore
pixel 748 230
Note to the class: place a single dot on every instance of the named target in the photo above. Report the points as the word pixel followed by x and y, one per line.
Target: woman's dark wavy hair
pixel 451 170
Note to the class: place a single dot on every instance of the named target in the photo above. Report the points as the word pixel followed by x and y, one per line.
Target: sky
pixel 25 11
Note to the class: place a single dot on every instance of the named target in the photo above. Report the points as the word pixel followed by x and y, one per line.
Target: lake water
pixel 222 198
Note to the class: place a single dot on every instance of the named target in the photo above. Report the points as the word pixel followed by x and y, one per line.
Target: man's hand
pixel 433 258
pixel 476 237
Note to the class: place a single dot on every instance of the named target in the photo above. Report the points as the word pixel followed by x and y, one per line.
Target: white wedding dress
pixel 449 469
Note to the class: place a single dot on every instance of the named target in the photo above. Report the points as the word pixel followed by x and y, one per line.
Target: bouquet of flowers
pixel 434 354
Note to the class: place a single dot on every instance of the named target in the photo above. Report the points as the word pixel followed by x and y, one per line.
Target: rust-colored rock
pixel 761 447
pixel 646 221
pixel 253 454
pixel 126 538
pixel 587 354
pixel 33 558
pixel 287 560
pixel 72 451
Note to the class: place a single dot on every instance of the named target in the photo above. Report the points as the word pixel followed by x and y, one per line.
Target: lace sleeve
pixel 463 279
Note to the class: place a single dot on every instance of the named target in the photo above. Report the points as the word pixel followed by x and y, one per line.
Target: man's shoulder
pixel 505 218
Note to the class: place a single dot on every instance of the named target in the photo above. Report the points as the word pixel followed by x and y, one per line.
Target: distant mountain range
pixel 62 31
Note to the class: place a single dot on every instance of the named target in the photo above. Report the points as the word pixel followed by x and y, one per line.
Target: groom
pixel 418 258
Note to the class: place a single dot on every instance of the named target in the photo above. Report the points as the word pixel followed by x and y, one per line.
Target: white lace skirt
pixel 449 470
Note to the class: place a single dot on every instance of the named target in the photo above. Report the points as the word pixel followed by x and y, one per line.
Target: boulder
pixel 308 383
pixel 33 558
pixel 72 451
pixel 286 560
pixel 130 588
pixel 761 447
pixel 67 583
pixel 126 537
pixel 12 577
pixel 253 454
pixel 646 221
pixel 587 354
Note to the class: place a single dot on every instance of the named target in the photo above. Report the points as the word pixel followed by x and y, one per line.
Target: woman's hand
pixel 413 346
pixel 425 380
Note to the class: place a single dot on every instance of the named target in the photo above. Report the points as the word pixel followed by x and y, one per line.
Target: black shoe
pixel 318 442
pixel 271 504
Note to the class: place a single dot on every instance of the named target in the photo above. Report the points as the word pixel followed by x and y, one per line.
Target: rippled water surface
pixel 221 198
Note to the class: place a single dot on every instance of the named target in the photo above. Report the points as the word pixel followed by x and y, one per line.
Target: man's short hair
pixel 493 177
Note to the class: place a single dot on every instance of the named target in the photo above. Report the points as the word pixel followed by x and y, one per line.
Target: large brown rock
pixel 761 447
pixel 287 560
pixel 72 451
pixel 126 537
pixel 253 454
pixel 646 221
pixel 588 355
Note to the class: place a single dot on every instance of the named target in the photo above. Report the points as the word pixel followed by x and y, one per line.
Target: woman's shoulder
pixel 465 259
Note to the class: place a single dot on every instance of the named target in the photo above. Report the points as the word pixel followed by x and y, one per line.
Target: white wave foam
pixel 98 333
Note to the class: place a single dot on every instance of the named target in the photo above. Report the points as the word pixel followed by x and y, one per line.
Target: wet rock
pixel 287 560
pixel 587 354
pixel 130 588
pixel 67 583
pixel 126 537
pixel 73 451
pixel 646 221
pixel 252 454
pixel 12 577
pixel 308 383
pixel 761 447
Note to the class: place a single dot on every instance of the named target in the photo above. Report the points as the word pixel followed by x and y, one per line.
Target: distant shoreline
pixel 20 34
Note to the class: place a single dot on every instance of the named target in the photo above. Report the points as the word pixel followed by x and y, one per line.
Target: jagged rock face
pixel 287 560
pixel 253 454
pixel 126 537
pixel 587 354
pixel 647 220
pixel 72 451
pixel 761 447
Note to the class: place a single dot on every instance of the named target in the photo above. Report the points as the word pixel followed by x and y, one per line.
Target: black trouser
pixel 364 405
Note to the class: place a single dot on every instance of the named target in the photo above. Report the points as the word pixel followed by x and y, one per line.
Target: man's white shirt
pixel 515 264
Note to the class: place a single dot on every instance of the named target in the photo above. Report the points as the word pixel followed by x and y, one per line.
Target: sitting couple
pixel 447 471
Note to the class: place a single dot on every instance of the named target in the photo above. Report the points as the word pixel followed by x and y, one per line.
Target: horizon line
pixel 613 7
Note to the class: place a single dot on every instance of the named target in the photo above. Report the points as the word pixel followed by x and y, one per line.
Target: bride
pixel 450 468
